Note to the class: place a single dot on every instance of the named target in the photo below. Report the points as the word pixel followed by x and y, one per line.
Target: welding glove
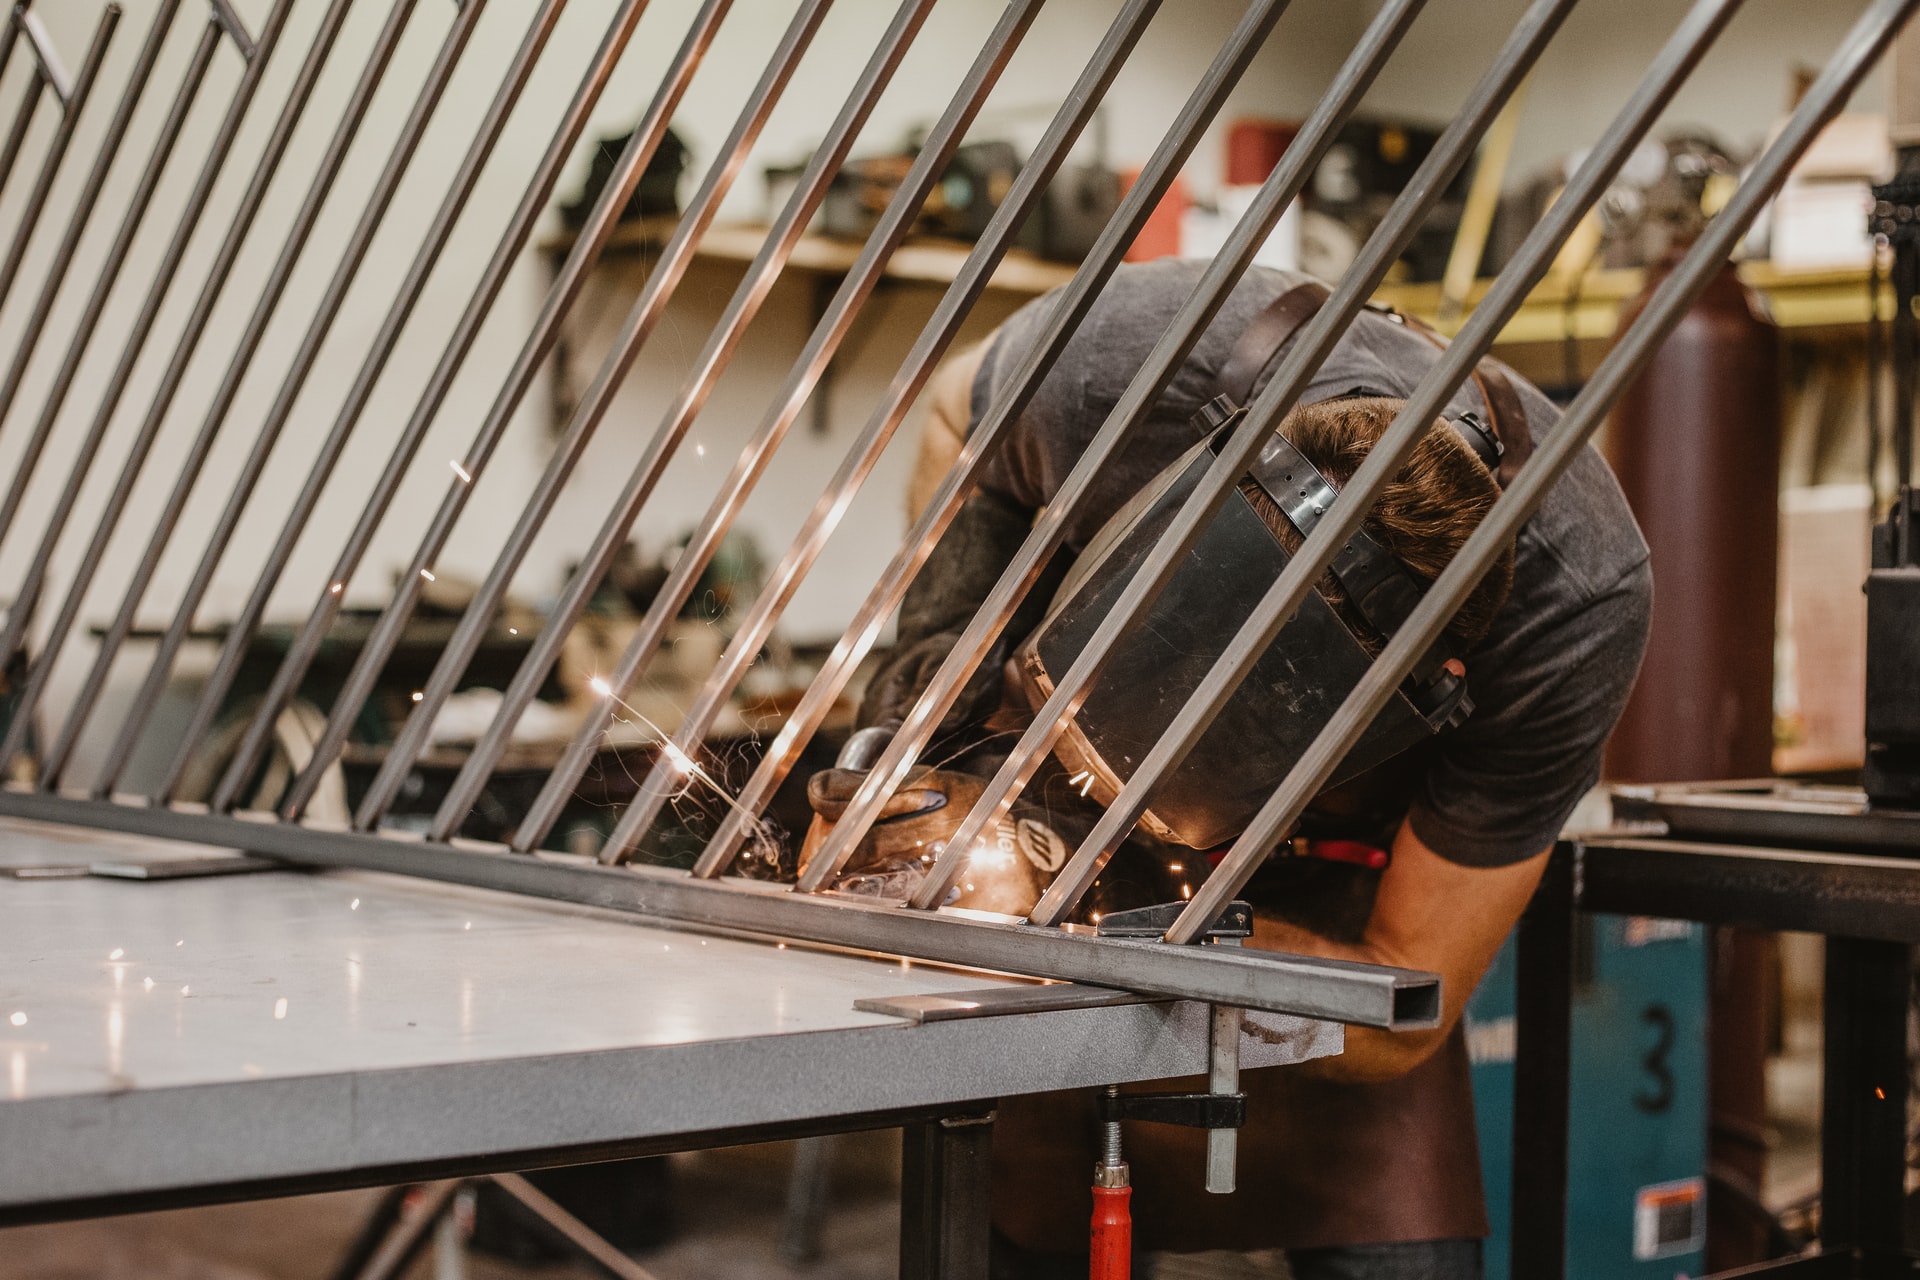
pixel 1013 863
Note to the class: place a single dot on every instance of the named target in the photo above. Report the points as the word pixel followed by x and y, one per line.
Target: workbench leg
pixel 946 1198
pixel 1543 1061
pixel 1863 1129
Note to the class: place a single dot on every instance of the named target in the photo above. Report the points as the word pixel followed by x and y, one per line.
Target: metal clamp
pixel 1234 921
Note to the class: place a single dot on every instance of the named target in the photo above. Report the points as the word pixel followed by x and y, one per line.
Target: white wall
pixel 1572 93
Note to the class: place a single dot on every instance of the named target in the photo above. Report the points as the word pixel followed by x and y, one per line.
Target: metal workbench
pixel 235 1036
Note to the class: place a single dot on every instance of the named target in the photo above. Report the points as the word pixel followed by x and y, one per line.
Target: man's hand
pixel 1430 914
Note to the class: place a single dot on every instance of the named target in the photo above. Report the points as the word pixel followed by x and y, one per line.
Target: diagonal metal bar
pixel 577 1233
pixel 492 124
pixel 1315 341
pixel 721 344
pixel 612 201
pixel 29 100
pixel 754 629
pixel 74 102
pixel 236 28
pixel 46 55
pixel 565 289
pixel 426 101
pixel 1316 134
pixel 222 266
pixel 1676 61
pixel 84 205
pixel 1862 46
pixel 662 281
pixel 513 239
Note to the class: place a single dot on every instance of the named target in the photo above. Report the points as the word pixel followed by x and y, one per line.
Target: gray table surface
pixel 165 1035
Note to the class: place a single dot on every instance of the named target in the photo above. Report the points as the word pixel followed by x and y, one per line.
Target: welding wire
pixel 300 654
pixel 321 467
pixel 1068 310
pixel 14 634
pixel 587 246
pixel 1668 71
pixel 662 280
pixel 533 202
pixel 1315 341
pixel 1860 49
pixel 722 341
pixel 82 336
pixel 372 214
pixel 837 320
pixel 969 282
pixel 77 224
pixel 73 103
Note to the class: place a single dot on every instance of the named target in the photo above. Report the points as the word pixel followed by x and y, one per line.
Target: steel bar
pixel 1340 991
pixel 345 272
pixel 1314 344
pixel 235 27
pixel 82 336
pixel 46 56
pixel 753 630
pixel 586 250
pixel 29 105
pixel 513 238
pixel 411 1233
pixel 73 102
pixel 210 292
pixel 576 1232
pixel 1304 356
pixel 1544 943
pixel 116 257
pixel 662 281
pixel 478 152
pixel 828 333
pixel 1857 52
pixel 1316 134
pixel 83 206
pixel 1531 262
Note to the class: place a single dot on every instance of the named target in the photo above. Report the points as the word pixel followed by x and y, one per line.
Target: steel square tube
pixel 1682 53
pixel 1670 301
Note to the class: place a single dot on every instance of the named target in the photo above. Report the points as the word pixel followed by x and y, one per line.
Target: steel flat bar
pixel 1315 343
pixel 222 265
pixel 486 290
pixel 755 628
pixel 47 56
pixel 1857 52
pixel 1676 61
pixel 83 206
pixel 663 280
pixel 828 333
pixel 1316 135
pixel 81 338
pixel 546 331
pixel 345 272
pixel 1359 994
pixel 479 151
pixel 73 104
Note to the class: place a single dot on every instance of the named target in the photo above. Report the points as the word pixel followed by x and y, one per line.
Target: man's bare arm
pixel 1430 914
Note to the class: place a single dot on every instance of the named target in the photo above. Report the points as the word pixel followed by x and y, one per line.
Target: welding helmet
pixel 1297 684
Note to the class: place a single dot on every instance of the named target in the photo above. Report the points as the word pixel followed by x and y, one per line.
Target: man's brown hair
pixel 1422 517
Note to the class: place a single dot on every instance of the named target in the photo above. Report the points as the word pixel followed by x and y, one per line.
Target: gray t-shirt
pixel 1553 674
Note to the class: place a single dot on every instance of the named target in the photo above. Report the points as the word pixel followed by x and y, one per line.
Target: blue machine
pixel 1637 1140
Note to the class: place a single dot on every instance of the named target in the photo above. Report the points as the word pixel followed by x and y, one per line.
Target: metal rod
pixel 662 281
pixel 74 101
pixel 576 1232
pixel 1315 342
pixel 1075 300
pixel 1670 301
pixel 236 28
pixel 426 101
pixel 1341 991
pixel 1676 61
pixel 82 337
pixel 77 224
pixel 512 240
pixel 46 56
pixel 560 296
pixel 607 209
pixel 250 203
pixel 721 344
pixel 753 631
pixel 492 124
pixel 25 112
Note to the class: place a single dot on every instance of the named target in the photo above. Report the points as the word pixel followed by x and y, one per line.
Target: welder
pixel 1431 841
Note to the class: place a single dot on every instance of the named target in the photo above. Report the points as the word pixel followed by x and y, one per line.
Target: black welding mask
pixel 1303 676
